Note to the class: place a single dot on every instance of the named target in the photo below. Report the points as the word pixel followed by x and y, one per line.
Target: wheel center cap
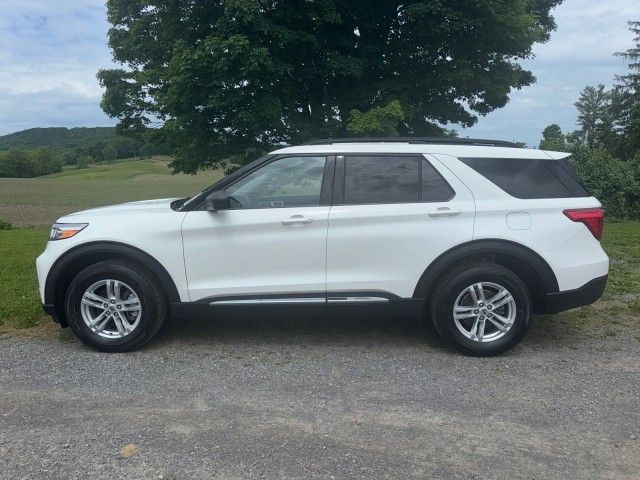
pixel 484 310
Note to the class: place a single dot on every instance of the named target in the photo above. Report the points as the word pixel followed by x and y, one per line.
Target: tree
pixel 146 150
pixel 380 121
pixel 223 79
pixel 593 115
pixel 627 103
pixel 631 79
pixel 612 180
pixel 553 139
pixel 28 163
pixel 109 153
pixel 84 161
pixel 126 147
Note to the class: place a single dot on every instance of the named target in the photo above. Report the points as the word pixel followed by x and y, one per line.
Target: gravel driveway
pixel 309 399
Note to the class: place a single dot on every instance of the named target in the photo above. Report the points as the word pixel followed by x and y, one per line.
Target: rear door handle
pixel 297 220
pixel 444 212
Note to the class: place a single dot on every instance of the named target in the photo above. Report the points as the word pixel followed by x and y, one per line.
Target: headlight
pixel 60 231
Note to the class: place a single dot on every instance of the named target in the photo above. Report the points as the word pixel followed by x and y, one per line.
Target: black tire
pixel 152 300
pixel 455 282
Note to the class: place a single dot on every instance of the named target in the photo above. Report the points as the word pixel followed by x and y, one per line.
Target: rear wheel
pixel 115 306
pixel 483 309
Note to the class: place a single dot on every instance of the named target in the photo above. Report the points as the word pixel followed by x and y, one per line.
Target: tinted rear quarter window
pixel 528 178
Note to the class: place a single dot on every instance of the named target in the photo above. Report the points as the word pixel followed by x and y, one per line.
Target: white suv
pixel 476 235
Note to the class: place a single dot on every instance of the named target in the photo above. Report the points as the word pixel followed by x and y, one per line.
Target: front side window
pixel 287 182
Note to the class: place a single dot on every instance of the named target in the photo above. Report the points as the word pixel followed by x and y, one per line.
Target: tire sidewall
pixel 443 315
pixel 145 290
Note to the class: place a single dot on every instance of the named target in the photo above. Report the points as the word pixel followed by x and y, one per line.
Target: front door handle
pixel 297 220
pixel 444 212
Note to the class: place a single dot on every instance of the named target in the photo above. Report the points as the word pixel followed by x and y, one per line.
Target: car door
pixel 392 216
pixel 271 244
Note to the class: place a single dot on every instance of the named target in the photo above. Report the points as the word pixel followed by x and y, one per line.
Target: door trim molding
pixel 269 301
pixel 301 298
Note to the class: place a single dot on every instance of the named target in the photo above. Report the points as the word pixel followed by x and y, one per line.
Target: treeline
pixel 606 146
pixel 37 151
pixel 105 152
pixel 29 163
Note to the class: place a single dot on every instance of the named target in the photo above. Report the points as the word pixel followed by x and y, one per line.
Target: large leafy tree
pixel 225 78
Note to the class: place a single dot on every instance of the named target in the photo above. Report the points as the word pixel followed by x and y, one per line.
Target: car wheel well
pixel 63 273
pixel 532 269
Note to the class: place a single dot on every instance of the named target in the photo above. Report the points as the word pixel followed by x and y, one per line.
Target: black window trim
pixel 340 177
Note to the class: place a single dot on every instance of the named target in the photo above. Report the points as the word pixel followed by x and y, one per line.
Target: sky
pixel 51 50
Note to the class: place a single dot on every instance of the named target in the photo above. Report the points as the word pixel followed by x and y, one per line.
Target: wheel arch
pixel 534 271
pixel 81 256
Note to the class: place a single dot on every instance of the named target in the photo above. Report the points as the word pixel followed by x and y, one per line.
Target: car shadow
pixel 559 331
pixel 299 329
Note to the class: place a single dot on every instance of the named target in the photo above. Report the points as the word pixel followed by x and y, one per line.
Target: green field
pixel 39 201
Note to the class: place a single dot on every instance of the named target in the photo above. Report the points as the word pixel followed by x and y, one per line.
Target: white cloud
pixel 579 53
pixel 50 53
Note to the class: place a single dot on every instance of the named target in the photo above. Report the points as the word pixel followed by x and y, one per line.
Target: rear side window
pixel 392 179
pixel 377 179
pixel 529 178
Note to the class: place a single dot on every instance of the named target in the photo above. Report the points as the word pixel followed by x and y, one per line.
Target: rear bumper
pixel 585 295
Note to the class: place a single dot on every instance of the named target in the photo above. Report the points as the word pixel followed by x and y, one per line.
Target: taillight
pixel 593 218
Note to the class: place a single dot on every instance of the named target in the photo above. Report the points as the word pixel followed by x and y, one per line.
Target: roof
pixel 403 145
pixel 418 140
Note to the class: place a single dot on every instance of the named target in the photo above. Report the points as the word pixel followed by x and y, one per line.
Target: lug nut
pixel 105 305
pixel 119 307
pixel 475 311
pixel 490 307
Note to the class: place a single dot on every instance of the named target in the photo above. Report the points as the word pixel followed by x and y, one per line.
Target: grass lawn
pixel 19 301
pixel 20 304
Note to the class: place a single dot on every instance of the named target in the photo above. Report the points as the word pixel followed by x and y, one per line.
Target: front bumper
pixel 584 295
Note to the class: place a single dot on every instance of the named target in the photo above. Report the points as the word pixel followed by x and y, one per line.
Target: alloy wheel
pixel 111 308
pixel 484 312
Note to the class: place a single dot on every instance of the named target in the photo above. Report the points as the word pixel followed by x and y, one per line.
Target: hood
pixel 129 207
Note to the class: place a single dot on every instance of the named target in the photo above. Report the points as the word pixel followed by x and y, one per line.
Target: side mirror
pixel 217 201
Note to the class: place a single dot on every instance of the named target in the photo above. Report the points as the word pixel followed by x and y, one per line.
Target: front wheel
pixel 483 309
pixel 115 306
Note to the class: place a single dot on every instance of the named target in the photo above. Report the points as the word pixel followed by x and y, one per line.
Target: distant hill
pixel 57 137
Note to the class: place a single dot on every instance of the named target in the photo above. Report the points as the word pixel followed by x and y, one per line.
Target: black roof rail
pixel 418 140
